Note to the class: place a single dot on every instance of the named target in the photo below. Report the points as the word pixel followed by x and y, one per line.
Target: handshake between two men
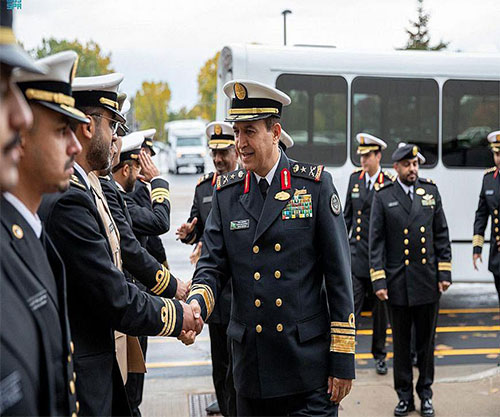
pixel 192 323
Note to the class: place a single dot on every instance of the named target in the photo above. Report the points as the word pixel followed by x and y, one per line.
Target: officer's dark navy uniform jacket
pixel 151 221
pixel 100 300
pixel 154 245
pixel 136 260
pixel 36 350
pixel 410 249
pixel 202 204
pixel 292 321
pixel 357 210
pixel 489 206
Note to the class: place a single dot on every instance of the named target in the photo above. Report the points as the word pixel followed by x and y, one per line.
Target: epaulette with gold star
pixel 427 181
pixel 74 180
pixel 204 178
pixel 305 170
pixel 489 170
pixel 230 178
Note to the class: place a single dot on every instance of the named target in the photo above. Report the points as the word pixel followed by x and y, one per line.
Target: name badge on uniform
pixel 489 192
pixel 354 195
pixel 207 199
pixel 239 224
pixel 38 300
pixel 299 207
pixel 428 200
pixel 393 204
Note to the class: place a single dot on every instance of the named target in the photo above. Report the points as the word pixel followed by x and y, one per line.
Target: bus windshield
pixel 189 141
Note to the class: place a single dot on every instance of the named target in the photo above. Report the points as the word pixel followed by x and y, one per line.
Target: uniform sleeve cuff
pixel 166 283
pixel 342 365
pixel 379 284
pixel 201 302
pixel 159 191
pixel 171 317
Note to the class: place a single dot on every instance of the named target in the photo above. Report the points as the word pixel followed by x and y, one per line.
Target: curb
pixel 489 373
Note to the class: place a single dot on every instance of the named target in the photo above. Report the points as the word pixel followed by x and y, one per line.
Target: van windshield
pixel 189 141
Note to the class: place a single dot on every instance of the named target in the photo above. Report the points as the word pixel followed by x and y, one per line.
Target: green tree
pixel 207 89
pixel 418 33
pixel 151 107
pixel 92 61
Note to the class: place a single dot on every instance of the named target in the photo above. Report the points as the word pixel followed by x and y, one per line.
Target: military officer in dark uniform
pixel 360 192
pixel 100 300
pixel 142 196
pixel 221 143
pixel 410 266
pixel 15 113
pixel 276 227
pixel 30 262
pixel 489 205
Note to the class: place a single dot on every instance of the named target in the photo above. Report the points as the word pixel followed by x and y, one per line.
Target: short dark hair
pixel 121 164
pixel 271 121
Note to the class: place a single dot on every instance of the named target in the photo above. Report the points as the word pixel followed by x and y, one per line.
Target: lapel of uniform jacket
pixel 416 203
pixel 401 196
pixel 252 201
pixel 272 206
pixel 29 249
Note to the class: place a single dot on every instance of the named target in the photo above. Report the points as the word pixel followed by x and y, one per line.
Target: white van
pixel 187 145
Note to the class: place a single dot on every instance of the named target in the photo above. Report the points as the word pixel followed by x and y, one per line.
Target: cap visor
pixel 117 115
pixel 68 111
pixel 221 146
pixel 248 117
pixel 15 56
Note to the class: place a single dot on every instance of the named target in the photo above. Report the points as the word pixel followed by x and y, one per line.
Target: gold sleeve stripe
pixel 208 296
pixel 162 280
pixel 168 317
pixel 160 194
pixel 376 275
pixel 342 324
pixel 343 344
pixel 444 266
pixel 351 332
pixel 160 190
pixel 478 240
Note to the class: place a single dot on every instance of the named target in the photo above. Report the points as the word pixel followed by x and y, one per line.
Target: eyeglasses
pixel 113 124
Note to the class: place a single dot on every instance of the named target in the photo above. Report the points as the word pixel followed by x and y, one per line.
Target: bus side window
pixel 470 112
pixel 317 117
pixel 396 110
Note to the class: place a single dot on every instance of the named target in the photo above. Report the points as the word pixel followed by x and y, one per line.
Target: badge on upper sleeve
pixel 335 204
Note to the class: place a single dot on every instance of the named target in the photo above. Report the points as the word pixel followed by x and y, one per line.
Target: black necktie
pixel 263 186
pixel 410 195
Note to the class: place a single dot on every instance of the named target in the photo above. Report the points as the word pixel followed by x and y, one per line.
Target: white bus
pixel 444 102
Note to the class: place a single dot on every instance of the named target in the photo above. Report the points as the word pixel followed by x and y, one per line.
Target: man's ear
pixel 395 166
pixel 276 132
pixel 86 129
pixel 126 170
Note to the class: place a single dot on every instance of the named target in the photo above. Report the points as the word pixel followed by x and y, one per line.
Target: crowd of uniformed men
pixel 279 277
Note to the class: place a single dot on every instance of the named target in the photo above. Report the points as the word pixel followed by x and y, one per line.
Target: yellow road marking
pixel 453 311
pixel 449 329
pixel 446 352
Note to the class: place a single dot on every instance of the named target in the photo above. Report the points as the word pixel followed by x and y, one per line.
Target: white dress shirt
pixel 270 174
pixel 406 188
pixel 83 174
pixel 371 180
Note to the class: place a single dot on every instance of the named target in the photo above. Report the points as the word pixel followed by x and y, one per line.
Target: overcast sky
pixel 170 40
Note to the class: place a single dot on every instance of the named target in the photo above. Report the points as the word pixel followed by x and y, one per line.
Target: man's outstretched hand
pixel 192 323
pixel 186 228
pixel 338 388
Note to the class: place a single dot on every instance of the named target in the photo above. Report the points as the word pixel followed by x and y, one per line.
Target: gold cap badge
pixel 240 91
pixel 217 129
pixel 414 151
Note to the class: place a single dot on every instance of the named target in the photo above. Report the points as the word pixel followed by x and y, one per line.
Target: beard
pixel 99 154
pixel 130 184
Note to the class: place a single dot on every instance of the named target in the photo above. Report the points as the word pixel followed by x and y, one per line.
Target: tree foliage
pixel 151 107
pixel 418 32
pixel 207 89
pixel 92 60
